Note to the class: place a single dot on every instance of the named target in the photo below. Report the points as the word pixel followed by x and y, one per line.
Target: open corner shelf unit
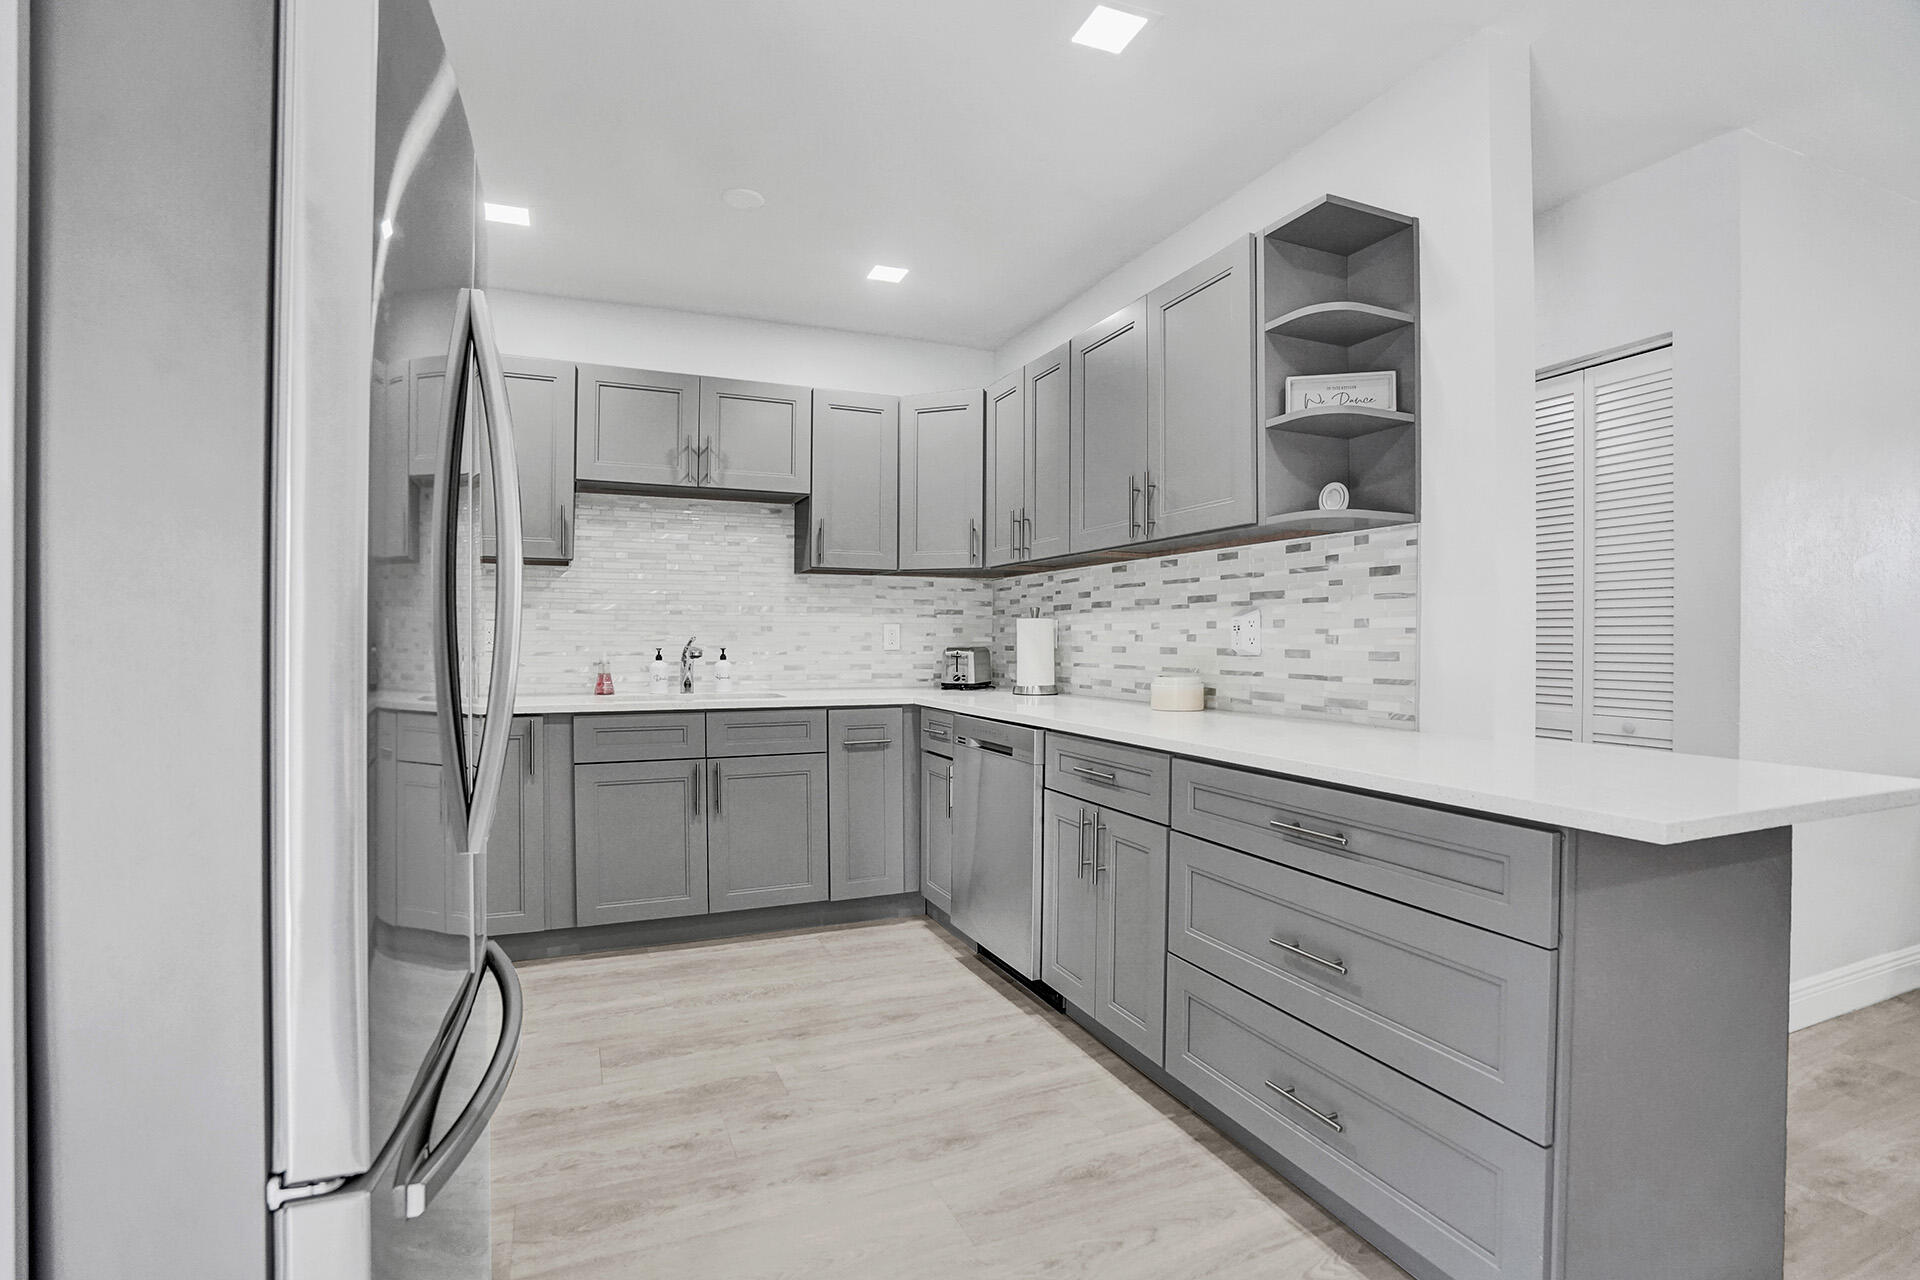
pixel 1339 292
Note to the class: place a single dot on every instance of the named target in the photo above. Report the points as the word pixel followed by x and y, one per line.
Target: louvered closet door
pixel 1604 553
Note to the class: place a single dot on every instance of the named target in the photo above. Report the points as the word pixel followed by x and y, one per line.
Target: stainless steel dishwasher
pixel 996 840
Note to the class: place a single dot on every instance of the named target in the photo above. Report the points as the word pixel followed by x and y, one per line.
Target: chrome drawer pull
pixel 867 742
pixel 1334 965
pixel 939 731
pixel 1331 837
pixel 1096 774
pixel 1329 1119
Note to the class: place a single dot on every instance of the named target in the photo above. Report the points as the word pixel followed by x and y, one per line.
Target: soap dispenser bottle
pixel 659 671
pixel 603 677
pixel 723 669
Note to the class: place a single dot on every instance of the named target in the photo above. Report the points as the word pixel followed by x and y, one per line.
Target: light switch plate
pixel 890 637
pixel 1246 632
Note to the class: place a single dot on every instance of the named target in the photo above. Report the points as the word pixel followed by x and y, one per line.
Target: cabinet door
pixel 1130 863
pixel 423 888
pixel 540 394
pixel 868 808
pixel 1107 414
pixel 942 458
pixel 756 436
pixel 390 507
pixel 936 829
pixel 636 427
pixel 1201 427
pixel 1006 470
pixel 516 846
pixel 426 385
pixel 1070 901
pixel 767 831
pixel 855 507
pixel 639 840
pixel 1047 430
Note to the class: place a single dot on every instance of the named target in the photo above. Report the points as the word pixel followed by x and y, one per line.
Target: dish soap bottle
pixel 723 669
pixel 659 671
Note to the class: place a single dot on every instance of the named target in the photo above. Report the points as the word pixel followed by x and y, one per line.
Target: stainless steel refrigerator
pixel 273 522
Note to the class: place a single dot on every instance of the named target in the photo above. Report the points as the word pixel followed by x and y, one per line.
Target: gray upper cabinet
pixel 1107 413
pixel 640 840
pixel 936 829
pixel 636 427
pixel 755 436
pixel 852 518
pixel 426 385
pixel 1006 470
pixel 766 831
pixel 867 780
pixel 540 394
pixel 1047 401
pixel 390 505
pixel 1201 427
pixel 1070 901
pixel 942 486
pixel 516 847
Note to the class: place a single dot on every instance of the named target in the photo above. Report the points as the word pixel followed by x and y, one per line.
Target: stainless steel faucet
pixel 687 657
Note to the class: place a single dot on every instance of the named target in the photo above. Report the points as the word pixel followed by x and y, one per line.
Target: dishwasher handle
pixel 998 748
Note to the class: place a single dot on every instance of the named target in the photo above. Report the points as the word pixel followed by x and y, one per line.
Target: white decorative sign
pixel 1344 391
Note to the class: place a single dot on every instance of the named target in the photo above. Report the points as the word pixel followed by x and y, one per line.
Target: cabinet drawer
pixel 1121 778
pixel 1453 1186
pixel 936 731
pixel 1464 1010
pixel 765 733
pixel 1497 875
pixel 643 735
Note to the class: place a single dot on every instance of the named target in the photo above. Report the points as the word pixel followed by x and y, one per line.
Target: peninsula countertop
pixel 1659 797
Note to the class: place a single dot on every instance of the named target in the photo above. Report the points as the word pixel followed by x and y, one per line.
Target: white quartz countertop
pixel 1638 794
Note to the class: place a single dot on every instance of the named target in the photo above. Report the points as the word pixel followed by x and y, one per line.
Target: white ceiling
pixel 1010 169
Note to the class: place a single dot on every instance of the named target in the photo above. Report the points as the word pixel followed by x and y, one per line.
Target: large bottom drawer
pixel 1466 1194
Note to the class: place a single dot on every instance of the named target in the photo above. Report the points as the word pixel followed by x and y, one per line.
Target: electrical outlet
pixel 1246 632
pixel 890 637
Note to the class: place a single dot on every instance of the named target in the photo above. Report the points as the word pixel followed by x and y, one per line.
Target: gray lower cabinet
pixel 1006 470
pixel 516 847
pixel 1107 416
pixel 1201 426
pixel 936 829
pixel 1104 917
pixel 851 520
pixel 1047 402
pixel 423 865
pixel 755 436
pixel 867 785
pixel 640 840
pixel 942 482
pixel 636 427
pixel 540 394
pixel 766 831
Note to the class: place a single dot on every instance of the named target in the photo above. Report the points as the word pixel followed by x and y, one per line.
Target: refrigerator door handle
pixel 437 1164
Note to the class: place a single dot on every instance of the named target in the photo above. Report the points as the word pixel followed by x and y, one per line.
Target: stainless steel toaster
pixel 966 666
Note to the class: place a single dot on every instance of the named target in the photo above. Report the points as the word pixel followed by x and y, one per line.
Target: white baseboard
pixel 1852 986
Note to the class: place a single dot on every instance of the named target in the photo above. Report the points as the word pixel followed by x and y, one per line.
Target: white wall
pixel 1655 252
pixel 1830 573
pixel 533 324
pixel 1449 145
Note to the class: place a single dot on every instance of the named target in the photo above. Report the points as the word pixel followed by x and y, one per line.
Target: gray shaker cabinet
pixel 942 485
pixel 1006 470
pixel 640 840
pixel 755 436
pixel 852 518
pixel 1107 416
pixel 766 831
pixel 867 785
pixel 636 427
pixel 936 829
pixel 1070 901
pixel 1201 428
pixel 540 394
pixel 1046 401
pixel 516 847
pixel 423 867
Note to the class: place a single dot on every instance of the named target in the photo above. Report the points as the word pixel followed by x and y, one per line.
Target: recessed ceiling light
pixel 890 275
pixel 512 214
pixel 742 198
pixel 1109 29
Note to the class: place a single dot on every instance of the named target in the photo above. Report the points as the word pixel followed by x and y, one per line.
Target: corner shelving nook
pixel 1339 293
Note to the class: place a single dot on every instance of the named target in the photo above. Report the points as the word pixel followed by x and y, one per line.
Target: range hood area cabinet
pixel 851 521
pixel 942 486
pixel 644 431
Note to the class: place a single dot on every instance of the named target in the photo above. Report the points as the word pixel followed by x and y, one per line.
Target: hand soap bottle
pixel 723 669
pixel 659 671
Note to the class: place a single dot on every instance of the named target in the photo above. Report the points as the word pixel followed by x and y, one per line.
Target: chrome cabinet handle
pixel 1026 537
pixel 533 752
pixel 1099 846
pixel 1331 837
pixel 1331 1119
pixel 973 539
pixel 1080 866
pixel 867 742
pixel 716 788
pixel 820 541
pixel 705 454
pixel 698 773
pixel 692 477
pixel 1098 775
pixel 1133 505
pixel 1302 952
pixel 1147 505
pixel 949 791
pixel 940 731
pixel 1013 533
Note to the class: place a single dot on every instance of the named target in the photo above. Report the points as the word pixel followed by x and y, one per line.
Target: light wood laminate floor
pixel 873 1101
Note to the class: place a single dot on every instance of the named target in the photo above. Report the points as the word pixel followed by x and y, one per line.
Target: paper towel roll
pixel 1033 656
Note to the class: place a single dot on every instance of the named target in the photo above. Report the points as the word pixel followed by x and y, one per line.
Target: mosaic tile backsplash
pixel 1338 614
pixel 1338 623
